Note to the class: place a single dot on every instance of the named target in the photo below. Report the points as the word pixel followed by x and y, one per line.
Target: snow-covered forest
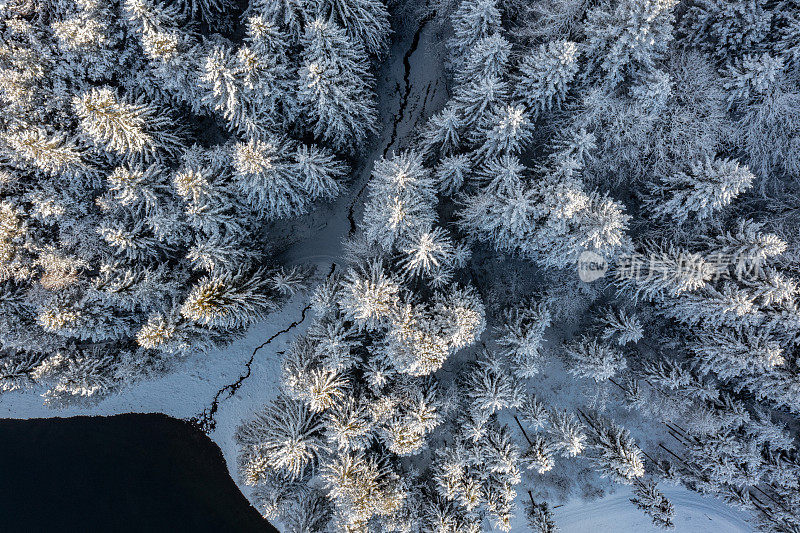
pixel 556 257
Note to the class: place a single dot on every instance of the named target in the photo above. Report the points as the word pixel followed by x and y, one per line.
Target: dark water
pixel 110 474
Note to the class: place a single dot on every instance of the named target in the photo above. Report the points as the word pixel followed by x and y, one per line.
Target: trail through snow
pixel 221 389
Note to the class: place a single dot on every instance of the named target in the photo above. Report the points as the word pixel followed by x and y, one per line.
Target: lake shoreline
pixel 128 472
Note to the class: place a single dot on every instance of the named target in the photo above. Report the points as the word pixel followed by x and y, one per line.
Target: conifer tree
pixel 229 300
pixel 401 198
pixel 442 133
pixel 492 387
pixel 618 457
pixel 279 180
pixel 625 328
pixel 588 358
pixel 540 517
pixel 653 502
pixel 505 131
pixel 628 37
pixel 521 338
pixel 366 21
pixel 729 29
pixel 472 21
pixel 123 128
pixel 286 439
pixel 545 76
pixel 567 433
pixel 539 455
pixel 335 85
pixel 752 77
pixel 487 57
pixel 369 297
pixel 452 172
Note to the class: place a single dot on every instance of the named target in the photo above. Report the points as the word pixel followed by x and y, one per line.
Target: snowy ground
pixel 615 514
pixel 411 86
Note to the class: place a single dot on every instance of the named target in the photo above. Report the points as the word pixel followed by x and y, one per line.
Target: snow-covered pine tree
pixel 567 434
pixel 539 455
pixel 622 327
pixel 591 359
pixel 534 413
pixel 472 21
pixel 365 21
pixel 124 128
pixel 540 517
pixel 420 338
pixel 491 387
pixel 286 439
pixel 430 254
pixel 335 86
pixel 487 57
pixel 750 78
pixel 280 178
pixel 545 76
pixel 231 300
pixel 452 172
pixel 369 296
pixel 521 337
pixel 652 501
pixel 762 92
pixel 671 271
pixel 290 16
pixel 401 200
pixel 475 100
pixel 617 454
pixel 442 134
pixel 627 38
pixel 506 131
